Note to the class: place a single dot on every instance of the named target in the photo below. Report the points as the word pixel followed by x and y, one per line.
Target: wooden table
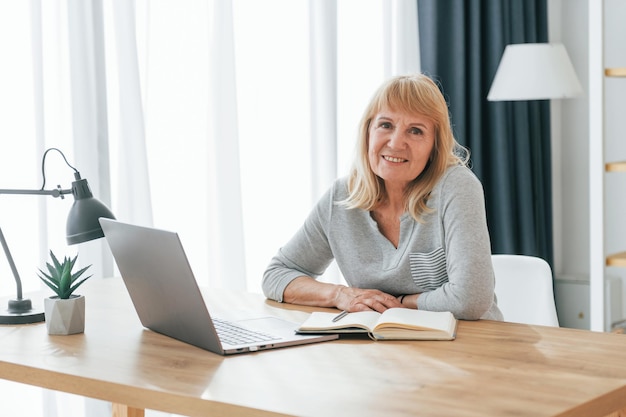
pixel 491 369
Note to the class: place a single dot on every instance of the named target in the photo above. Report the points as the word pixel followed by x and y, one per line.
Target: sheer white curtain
pixel 221 119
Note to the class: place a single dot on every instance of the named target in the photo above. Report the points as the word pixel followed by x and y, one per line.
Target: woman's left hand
pixel 357 299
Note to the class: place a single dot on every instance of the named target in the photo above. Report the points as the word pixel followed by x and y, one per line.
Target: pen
pixel 340 316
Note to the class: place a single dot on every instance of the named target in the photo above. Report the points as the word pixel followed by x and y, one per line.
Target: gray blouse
pixel 447 258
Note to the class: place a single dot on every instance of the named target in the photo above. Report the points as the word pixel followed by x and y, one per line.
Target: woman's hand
pixel 308 291
pixel 357 299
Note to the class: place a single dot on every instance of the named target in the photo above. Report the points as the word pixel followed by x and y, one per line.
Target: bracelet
pixel 402 298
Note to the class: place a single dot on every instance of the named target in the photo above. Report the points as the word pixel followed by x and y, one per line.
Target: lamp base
pixel 21 312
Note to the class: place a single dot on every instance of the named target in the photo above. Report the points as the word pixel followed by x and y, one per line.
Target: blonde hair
pixel 420 95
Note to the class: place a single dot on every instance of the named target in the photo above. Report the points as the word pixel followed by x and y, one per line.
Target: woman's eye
pixel 416 131
pixel 385 125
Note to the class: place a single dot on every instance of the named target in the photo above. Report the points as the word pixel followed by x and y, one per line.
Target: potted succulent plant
pixel 65 311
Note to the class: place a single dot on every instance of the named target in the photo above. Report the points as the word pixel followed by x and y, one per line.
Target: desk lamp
pixel 534 71
pixel 82 226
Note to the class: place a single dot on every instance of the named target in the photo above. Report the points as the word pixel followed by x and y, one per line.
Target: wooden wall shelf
pixel 615 72
pixel 619 166
pixel 617 259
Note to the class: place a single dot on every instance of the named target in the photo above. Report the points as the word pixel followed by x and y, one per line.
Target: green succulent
pixel 60 279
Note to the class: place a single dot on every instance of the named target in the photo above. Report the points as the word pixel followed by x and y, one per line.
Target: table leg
pixel 121 410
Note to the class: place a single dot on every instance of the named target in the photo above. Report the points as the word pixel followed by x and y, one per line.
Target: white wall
pixel 568 24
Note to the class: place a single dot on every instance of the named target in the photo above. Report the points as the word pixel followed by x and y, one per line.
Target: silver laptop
pixel 166 296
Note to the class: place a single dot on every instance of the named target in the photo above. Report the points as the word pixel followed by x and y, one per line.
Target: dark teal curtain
pixel 461 43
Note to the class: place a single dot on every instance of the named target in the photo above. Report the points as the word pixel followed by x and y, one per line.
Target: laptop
pixel 166 296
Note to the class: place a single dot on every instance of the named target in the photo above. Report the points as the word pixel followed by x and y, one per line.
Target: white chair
pixel 524 289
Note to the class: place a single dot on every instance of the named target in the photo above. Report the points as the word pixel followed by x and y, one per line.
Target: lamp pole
pixel 20 310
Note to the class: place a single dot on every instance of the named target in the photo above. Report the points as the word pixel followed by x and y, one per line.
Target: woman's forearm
pixel 307 291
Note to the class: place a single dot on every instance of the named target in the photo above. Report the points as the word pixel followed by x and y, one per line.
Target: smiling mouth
pixel 393 159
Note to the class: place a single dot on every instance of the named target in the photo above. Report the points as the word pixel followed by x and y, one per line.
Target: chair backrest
pixel 524 289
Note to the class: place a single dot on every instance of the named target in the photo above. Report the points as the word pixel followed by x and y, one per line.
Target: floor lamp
pixel 82 226
pixel 534 71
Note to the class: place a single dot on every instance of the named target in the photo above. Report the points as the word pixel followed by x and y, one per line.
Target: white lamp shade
pixel 534 71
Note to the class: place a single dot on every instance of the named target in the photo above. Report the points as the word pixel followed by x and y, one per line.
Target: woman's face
pixel 400 144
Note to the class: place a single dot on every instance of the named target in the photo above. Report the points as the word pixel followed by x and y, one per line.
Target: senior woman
pixel 407 226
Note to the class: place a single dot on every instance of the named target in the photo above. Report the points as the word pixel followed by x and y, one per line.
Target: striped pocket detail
pixel 428 270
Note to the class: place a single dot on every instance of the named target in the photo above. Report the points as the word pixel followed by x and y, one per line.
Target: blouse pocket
pixel 428 270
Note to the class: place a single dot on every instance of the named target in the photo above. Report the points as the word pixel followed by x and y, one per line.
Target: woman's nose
pixel 397 139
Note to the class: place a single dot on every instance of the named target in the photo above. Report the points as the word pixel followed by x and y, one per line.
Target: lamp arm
pixel 57 192
pixel 7 252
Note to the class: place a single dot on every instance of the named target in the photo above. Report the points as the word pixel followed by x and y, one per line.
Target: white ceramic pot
pixel 65 317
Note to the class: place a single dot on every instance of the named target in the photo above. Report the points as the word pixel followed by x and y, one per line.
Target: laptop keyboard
pixel 235 335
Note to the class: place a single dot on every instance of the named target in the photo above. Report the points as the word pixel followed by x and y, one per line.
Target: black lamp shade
pixel 82 221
